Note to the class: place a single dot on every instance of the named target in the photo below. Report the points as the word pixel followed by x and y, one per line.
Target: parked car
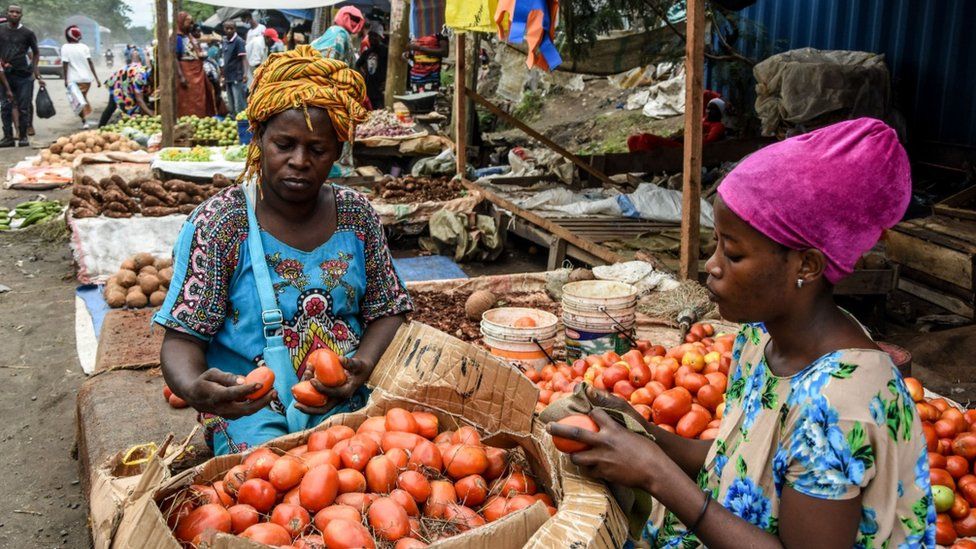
pixel 49 61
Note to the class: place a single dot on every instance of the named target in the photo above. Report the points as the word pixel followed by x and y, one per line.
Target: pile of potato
pixel 66 149
pixel 115 197
pixel 142 280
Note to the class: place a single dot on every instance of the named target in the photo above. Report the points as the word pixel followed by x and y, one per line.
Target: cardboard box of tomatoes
pixel 426 382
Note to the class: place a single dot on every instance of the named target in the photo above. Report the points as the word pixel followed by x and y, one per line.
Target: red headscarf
pixel 72 33
pixel 351 19
pixel 180 19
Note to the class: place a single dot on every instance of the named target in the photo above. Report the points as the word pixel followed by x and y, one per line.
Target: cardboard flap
pixel 426 365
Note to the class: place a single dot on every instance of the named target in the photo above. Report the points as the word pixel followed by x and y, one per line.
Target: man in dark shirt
pixel 372 64
pixel 235 54
pixel 16 41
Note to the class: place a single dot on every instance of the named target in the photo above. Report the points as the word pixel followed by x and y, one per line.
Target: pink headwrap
pixel 834 189
pixel 73 33
pixel 345 16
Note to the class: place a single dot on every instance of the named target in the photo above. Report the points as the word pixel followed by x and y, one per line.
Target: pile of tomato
pixel 397 480
pixel 681 389
pixel 951 438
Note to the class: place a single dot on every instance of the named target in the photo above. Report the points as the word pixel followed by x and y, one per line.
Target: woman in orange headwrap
pixel 195 94
pixel 270 271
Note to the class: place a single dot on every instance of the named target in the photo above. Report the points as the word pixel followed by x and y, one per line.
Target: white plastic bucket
pixel 530 347
pixel 599 315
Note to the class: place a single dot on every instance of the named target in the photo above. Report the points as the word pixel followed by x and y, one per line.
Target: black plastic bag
pixel 43 105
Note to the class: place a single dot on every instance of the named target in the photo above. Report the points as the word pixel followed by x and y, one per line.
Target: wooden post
pixel 691 188
pixel 473 67
pixel 165 64
pixel 460 104
pixel 396 67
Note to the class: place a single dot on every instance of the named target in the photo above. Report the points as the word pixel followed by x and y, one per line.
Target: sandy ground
pixel 39 370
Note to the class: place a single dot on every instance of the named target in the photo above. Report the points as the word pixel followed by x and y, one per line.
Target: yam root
pixel 163 262
pixel 129 265
pixel 87 192
pixel 165 275
pixel 117 207
pixel 121 184
pixel 127 278
pixel 136 299
pixel 221 181
pixel 157 298
pixel 152 202
pixel 115 299
pixel 82 213
pixel 186 209
pixel 153 188
pixel 160 212
pixel 148 283
pixel 143 260
pixel 117 215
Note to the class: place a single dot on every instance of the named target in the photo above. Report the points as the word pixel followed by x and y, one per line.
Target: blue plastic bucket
pixel 244 132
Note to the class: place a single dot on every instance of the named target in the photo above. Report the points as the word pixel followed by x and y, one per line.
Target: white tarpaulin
pixel 101 244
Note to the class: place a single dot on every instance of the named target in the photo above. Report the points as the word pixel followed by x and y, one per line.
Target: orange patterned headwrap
pixel 299 79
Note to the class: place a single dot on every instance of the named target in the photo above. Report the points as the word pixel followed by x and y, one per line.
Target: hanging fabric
pixel 427 17
pixel 532 22
pixel 471 15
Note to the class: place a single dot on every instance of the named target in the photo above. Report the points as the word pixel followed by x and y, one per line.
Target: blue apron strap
pixel 276 355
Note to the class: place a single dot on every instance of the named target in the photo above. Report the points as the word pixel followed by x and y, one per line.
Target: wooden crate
pixel 961 205
pixel 937 259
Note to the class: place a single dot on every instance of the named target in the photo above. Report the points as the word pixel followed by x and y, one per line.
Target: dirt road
pixel 39 370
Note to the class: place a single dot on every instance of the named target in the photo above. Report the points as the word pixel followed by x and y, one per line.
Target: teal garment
pixel 326 297
pixel 336 43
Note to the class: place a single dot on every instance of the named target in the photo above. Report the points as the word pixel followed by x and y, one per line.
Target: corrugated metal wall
pixel 929 45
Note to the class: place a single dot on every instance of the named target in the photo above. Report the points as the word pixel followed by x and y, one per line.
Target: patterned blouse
pixel 843 425
pixel 125 83
pixel 326 296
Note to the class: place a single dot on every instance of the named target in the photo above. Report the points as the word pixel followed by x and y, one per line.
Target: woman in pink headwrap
pixel 336 42
pixel 820 444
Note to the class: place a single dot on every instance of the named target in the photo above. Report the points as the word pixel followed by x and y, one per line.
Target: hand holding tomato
pixel 616 454
pixel 225 394
pixel 603 399
pixel 358 371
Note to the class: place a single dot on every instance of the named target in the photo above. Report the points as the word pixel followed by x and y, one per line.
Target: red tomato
pixel 466 460
pixel 937 461
pixel 964 544
pixel 495 509
pixel 442 494
pixel 262 375
pixel 286 473
pixel 473 490
pixel 463 517
pixel 576 420
pixel 406 501
pixel 177 402
pixel 409 543
pixel 345 534
pixel 267 533
pixel 167 392
pixel 692 424
pixel 351 480
pixel 257 493
pixel 640 374
pixel 319 488
pixel 307 394
pixel 341 432
pixel 942 477
pixel 466 435
pixel 497 461
pixel 334 512
pixel 945 532
pixel 710 397
pixel 915 389
pixel 358 453
pixel 966 526
pixel 624 388
pixel 327 367
pixel 211 516
pixel 957 466
pixel 398 419
pixel 242 516
pixel 389 519
pixel 614 374
pixel 964 445
pixel 960 508
pixel 427 424
pixel 381 475
pixel 956 417
pixel 399 439
pixel 517 483
pixel 292 518
pixel 641 396
pixel 671 405
pixel 414 484
pixel 709 434
pixel 643 410
pixel 426 455
pixel 356 500
pixel 931 439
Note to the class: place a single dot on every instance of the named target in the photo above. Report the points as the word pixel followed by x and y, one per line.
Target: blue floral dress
pixel 326 296
pixel 843 425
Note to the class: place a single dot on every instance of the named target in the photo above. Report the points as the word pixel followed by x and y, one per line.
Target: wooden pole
pixel 165 63
pixel 460 103
pixel 691 188
pixel 396 67
pixel 473 67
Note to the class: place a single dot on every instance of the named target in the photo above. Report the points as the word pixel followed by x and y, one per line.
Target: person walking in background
pixel 255 29
pixel 336 42
pixel 16 43
pixel 372 64
pixel 273 43
pixel 257 52
pixel 194 95
pixel 234 54
pixel 128 90
pixel 425 56
pixel 78 69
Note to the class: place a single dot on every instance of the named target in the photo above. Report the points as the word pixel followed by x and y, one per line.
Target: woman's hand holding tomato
pixel 358 371
pixel 225 395
pixel 614 445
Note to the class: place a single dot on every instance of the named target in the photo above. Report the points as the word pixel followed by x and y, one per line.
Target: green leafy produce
pixel 196 154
